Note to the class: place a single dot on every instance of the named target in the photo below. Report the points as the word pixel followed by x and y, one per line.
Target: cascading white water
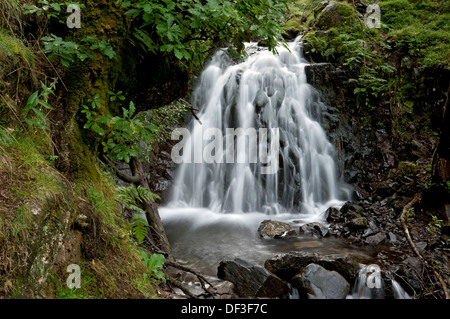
pixel 266 91
pixel 369 285
pixel 216 204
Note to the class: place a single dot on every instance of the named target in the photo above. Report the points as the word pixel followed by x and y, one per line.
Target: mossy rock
pixel 294 26
pixel 333 15
pixel 407 169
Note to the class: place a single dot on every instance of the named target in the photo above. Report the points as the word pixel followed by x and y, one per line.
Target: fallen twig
pixel 413 246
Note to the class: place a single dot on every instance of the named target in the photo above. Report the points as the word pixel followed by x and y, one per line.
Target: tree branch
pixel 192 110
pixel 126 178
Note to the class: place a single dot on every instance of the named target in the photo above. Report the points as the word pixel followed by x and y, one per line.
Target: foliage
pixel 189 29
pixel 13 48
pixel 370 85
pixel 357 48
pixel 67 51
pixel 131 197
pixel 139 226
pixel 168 118
pixel 38 103
pixel 420 29
pixel 435 225
pixel 51 9
pixel 120 135
pixel 153 265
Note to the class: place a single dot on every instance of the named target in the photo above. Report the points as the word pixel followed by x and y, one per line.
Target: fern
pixel 131 197
pixel 139 226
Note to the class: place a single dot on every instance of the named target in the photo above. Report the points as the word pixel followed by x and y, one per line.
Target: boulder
pixel 287 265
pixel 316 229
pixel 275 229
pixel 318 283
pixel 252 280
pixel 332 214
pixel 346 265
pixel 334 14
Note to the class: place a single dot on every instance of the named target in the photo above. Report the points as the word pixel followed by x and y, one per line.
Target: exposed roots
pixel 203 281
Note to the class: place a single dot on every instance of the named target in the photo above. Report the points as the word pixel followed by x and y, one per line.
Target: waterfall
pixel 369 285
pixel 266 95
pixel 258 151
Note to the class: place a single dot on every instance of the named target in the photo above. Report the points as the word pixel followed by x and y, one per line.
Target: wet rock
pixel 376 239
pixel 261 100
pixel 252 280
pixel 275 229
pixel 351 210
pixel 287 265
pixel 368 232
pixel 357 223
pixel 316 229
pixel 421 246
pixel 347 266
pixel 408 274
pixel 332 214
pixel 318 283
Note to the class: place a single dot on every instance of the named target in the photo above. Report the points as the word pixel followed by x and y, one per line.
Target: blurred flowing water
pixel 216 205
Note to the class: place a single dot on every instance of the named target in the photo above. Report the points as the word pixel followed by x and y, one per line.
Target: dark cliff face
pixel 367 152
pixel 375 119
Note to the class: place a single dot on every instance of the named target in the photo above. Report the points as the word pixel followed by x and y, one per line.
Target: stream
pixel 282 167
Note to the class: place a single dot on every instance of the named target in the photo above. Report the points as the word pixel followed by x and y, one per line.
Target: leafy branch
pixel 38 103
pixel 68 51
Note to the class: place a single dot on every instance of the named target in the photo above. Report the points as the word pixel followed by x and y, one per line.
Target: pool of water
pixel 202 238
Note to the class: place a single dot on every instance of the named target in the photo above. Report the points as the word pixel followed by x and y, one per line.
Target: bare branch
pixel 126 178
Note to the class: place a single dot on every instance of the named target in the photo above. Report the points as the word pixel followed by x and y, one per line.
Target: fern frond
pixel 139 226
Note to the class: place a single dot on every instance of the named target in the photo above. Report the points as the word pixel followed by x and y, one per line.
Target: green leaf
pixel 132 108
pixel 97 129
pixel 32 101
pixel 156 261
pixel 178 53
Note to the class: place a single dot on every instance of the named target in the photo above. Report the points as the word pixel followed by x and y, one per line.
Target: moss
pixel 334 15
pixel 41 206
pixel 407 169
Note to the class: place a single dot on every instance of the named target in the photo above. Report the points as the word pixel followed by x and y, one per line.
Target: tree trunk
pixel 158 234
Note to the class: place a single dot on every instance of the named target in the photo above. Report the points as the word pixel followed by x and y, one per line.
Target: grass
pixel 13 49
pixel 30 189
